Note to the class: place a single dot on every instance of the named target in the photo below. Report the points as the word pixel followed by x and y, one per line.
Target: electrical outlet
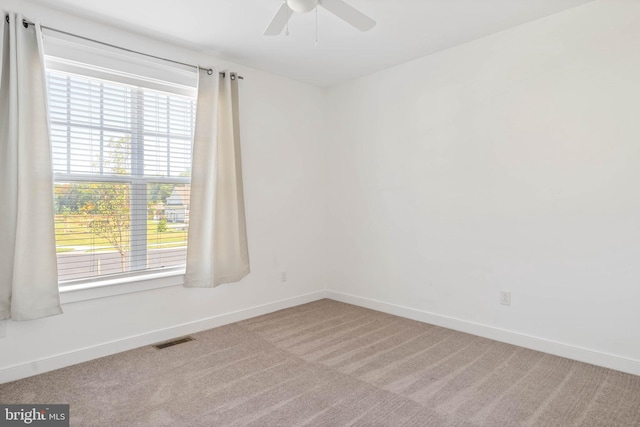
pixel 505 297
pixel 283 276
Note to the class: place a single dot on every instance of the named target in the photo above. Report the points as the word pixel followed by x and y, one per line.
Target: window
pixel 121 163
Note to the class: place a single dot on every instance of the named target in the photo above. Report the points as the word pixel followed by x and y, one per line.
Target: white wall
pixel 512 162
pixel 282 125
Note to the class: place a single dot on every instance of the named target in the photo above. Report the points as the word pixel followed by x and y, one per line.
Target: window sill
pixel 120 286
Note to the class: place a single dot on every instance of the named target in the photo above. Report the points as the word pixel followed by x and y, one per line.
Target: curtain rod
pixel 208 69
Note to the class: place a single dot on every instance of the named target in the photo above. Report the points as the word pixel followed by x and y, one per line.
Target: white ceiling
pixel 232 30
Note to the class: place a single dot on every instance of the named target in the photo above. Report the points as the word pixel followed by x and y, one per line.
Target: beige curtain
pixel 217 250
pixel 28 268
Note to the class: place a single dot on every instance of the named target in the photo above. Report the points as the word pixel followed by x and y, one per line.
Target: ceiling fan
pixel 339 8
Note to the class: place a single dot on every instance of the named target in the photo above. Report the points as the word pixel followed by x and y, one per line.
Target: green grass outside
pixel 75 233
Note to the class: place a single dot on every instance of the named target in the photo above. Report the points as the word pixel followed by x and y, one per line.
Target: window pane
pixel 168 219
pixel 92 228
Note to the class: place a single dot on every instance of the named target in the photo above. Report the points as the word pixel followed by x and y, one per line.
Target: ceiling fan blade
pixel 348 14
pixel 279 20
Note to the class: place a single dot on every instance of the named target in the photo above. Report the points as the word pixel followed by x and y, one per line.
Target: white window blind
pixel 122 161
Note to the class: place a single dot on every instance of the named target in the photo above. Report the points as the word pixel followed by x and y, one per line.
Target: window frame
pixel 120 286
pixel 134 280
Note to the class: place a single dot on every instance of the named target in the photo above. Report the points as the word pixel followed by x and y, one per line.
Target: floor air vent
pixel 172 343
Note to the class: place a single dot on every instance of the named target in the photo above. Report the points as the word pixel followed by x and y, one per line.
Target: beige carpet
pixel 333 364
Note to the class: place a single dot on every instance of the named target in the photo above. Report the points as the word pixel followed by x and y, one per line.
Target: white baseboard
pixel 35 367
pixel 593 357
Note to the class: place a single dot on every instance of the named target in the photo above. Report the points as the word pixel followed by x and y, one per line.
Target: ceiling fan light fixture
pixel 302 6
pixel 339 8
